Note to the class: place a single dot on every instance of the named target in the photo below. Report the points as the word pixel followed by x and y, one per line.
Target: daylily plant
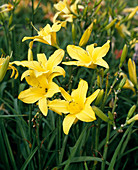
pixel 40 90
pixel 76 105
pixel 43 66
pixel 47 35
pixel 89 58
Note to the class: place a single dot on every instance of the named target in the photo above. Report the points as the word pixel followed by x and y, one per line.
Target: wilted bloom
pixel 40 90
pixel 47 35
pixel 43 66
pixel 86 35
pixel 132 71
pixel 6 7
pixel 6 65
pixel 76 104
pixel 66 11
pixel 89 58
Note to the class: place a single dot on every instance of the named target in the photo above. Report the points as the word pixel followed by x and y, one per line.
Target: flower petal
pixel 55 59
pixel 58 106
pixel 90 49
pixel 78 53
pixel 30 95
pixel 92 97
pixel 52 89
pixel 100 52
pixel 67 123
pixel 42 59
pixel 79 95
pixel 43 106
pixel 70 63
pixel 86 115
pixel 65 94
pixel 102 62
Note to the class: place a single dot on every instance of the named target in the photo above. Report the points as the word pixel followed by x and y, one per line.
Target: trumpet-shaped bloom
pixel 40 90
pixel 132 71
pixel 89 58
pixel 122 30
pixel 10 67
pixel 47 35
pixel 66 11
pixel 76 104
pixel 43 66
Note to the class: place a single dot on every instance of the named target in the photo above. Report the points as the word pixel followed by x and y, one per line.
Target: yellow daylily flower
pixel 132 71
pixel 6 7
pixel 89 58
pixel 76 104
pixel 40 90
pixel 66 11
pixel 9 67
pixel 43 66
pixel 47 35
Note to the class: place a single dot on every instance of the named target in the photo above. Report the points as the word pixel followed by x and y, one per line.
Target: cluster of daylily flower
pixel 40 73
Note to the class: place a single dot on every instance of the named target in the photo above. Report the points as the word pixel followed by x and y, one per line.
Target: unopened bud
pixel 86 35
pixel 122 83
pixel 110 24
pixel 131 111
pixel 73 33
pixel 123 55
pixel 100 114
pixel 111 116
pixel 132 13
pixel 4 68
pixel 30 53
pixel 99 97
pixel 134 118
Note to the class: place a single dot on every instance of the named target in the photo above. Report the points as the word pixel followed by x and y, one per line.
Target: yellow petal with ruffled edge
pixel 43 106
pixel 67 123
pixel 65 94
pixel 30 95
pixel 78 53
pixel 92 97
pixel 79 95
pixel 86 115
pixel 58 106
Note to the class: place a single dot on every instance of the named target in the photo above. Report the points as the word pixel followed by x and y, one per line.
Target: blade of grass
pixel 29 159
pixel 113 160
pixel 7 143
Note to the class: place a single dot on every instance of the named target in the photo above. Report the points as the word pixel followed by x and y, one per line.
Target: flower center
pixel 74 107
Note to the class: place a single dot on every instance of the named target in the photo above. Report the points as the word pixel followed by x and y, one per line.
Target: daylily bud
pixel 85 11
pixel 99 97
pixel 122 83
pixel 132 13
pixel 123 55
pixel 132 119
pixel 73 33
pixel 131 111
pixel 86 35
pixel 4 68
pixel 97 3
pixel 100 114
pixel 132 71
pixel 97 10
pixel 110 24
pixel 30 53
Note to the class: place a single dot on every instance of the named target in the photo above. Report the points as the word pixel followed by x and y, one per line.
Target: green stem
pixel 32 16
pixel 106 147
pixel 39 145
